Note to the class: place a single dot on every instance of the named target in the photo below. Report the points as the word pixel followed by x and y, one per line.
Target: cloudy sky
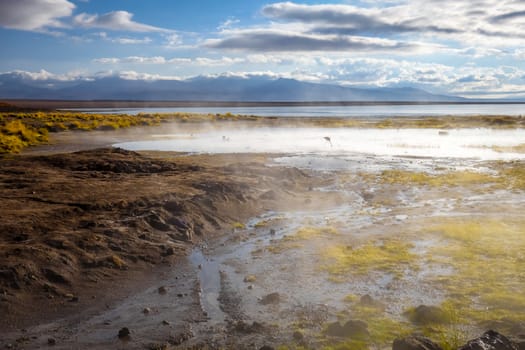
pixel 473 48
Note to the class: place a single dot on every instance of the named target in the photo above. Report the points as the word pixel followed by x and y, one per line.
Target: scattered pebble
pixel 166 323
pixel 51 341
pixel 123 333
pixel 146 311
pixel 162 290
pixel 250 279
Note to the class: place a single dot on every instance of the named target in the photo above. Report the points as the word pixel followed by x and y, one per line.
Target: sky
pixel 471 48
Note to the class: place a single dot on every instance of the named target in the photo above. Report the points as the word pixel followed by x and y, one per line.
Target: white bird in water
pixel 327 138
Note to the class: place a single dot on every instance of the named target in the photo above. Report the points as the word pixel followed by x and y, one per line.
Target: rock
pixel 166 323
pixel 266 347
pixel 490 340
pixel 368 301
pixel 298 336
pixel 243 327
pixel 351 329
pixel 51 341
pixel 424 315
pixel 124 333
pixel 272 298
pixel 250 279
pixel 272 232
pixel 250 286
pixel 146 310
pixel 415 342
pixel 162 290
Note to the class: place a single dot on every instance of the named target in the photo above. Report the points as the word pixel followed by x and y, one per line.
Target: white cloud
pixel 34 15
pixel 409 26
pixel 131 41
pixel 116 20
pixel 230 22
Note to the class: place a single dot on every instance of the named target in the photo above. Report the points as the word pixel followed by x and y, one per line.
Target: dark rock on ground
pixel 123 333
pixel 272 298
pixel 243 327
pixel 424 315
pixel 351 329
pixel 490 340
pixel 299 336
pixel 266 347
pixel 414 342
pixel 368 301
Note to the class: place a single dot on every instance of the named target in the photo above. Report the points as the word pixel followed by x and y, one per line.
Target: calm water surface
pixel 338 111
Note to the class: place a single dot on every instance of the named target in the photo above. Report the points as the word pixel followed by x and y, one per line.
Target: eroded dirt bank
pixel 77 228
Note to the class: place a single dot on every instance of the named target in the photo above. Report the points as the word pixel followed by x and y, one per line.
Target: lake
pixel 384 111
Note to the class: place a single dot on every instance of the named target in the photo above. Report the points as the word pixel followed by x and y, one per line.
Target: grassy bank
pixel 21 129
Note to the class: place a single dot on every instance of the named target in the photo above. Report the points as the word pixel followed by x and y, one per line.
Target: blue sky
pixel 473 48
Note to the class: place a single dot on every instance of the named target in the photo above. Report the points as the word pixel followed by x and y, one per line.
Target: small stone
pixel 51 341
pixel 272 298
pixel 180 295
pixel 250 286
pixel 266 347
pixel 272 232
pixel 123 333
pixel 298 336
pixel 146 311
pixel 414 342
pixel 250 279
pixel 162 290
pixel 165 323
pixel 200 266
pixel 424 315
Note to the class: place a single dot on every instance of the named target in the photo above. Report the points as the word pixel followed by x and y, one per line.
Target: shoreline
pixel 68 104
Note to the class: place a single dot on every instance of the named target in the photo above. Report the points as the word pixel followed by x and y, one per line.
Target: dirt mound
pixel 72 224
pixel 113 160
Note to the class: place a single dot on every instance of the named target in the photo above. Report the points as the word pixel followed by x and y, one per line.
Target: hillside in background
pixel 257 89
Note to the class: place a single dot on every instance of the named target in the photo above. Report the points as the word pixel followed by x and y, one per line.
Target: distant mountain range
pixel 222 88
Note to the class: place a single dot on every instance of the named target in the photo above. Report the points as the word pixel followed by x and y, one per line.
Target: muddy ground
pixel 245 251
pixel 81 231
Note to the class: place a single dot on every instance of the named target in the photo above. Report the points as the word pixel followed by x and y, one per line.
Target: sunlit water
pixel 475 144
pixel 337 111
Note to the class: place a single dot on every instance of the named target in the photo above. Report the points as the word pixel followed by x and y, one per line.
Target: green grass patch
pixel 390 256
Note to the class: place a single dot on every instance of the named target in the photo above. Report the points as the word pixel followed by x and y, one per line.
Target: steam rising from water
pixel 460 143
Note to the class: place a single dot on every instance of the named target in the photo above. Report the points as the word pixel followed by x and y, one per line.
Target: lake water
pixel 461 144
pixel 338 111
